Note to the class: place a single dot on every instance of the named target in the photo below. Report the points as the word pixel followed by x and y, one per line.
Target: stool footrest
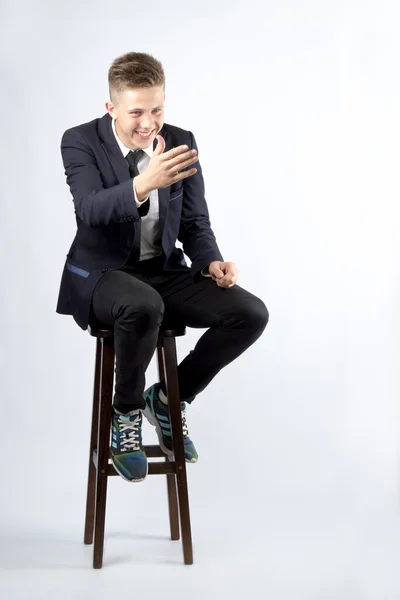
pixel 155 468
pixel 151 452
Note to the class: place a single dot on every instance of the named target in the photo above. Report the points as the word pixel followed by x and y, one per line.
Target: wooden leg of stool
pixel 171 369
pixel 173 506
pixel 91 485
pixel 171 483
pixel 103 447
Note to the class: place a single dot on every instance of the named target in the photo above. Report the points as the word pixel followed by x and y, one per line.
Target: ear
pixel 112 111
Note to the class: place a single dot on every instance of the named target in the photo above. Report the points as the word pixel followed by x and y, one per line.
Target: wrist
pixel 142 187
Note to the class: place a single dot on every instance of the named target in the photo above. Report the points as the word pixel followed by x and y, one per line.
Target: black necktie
pixel 133 159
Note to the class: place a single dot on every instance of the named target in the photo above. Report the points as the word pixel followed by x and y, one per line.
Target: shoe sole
pixel 126 479
pixel 153 421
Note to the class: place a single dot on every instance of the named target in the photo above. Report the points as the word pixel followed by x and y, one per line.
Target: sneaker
pixel 157 413
pixel 127 454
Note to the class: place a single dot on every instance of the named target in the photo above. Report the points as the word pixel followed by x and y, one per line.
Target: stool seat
pixel 170 327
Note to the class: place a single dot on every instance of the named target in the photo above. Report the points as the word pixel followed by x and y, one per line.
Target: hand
pixel 165 168
pixel 225 274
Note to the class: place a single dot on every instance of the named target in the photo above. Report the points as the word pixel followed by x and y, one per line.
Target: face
pixel 139 115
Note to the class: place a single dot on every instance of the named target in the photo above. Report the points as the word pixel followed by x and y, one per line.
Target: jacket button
pixel 104 270
pixel 128 247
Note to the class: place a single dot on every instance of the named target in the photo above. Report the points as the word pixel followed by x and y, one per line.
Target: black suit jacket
pixel 108 222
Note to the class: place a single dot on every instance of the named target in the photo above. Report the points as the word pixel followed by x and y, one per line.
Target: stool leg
pixel 103 447
pixel 91 485
pixel 171 483
pixel 171 368
pixel 173 506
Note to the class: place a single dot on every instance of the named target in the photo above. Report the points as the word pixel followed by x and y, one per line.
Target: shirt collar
pixel 124 149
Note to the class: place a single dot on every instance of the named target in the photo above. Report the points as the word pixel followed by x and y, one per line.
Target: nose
pixel 146 123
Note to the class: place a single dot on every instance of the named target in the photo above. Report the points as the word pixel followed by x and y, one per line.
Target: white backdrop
pixel 295 109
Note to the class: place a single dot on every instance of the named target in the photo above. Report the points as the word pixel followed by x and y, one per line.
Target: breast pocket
pixel 176 195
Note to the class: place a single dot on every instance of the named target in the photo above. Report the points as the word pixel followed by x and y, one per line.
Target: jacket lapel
pixel 112 149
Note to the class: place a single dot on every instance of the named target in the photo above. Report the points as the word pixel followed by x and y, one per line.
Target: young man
pixel 137 188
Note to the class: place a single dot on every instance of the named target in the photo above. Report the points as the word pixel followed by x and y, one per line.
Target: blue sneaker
pixel 157 413
pixel 127 454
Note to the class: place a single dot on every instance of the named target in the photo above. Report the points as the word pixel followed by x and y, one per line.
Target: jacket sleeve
pixel 95 205
pixel 195 233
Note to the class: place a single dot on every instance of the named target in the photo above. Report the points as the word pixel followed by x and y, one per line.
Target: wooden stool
pixel 100 466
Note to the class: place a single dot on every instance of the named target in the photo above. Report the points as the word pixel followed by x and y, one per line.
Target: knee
pixel 252 315
pixel 148 310
pixel 258 315
pixel 152 310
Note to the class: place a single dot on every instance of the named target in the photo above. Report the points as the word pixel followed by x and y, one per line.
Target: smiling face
pixel 138 114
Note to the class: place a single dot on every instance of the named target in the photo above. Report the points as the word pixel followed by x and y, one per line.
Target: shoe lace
pixel 130 435
pixel 185 429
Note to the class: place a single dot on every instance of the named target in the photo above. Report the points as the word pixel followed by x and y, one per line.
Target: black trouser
pixel 133 303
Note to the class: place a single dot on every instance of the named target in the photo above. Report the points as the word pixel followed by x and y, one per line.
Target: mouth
pixel 144 135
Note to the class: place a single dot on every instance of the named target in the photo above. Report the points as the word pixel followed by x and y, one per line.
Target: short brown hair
pixel 134 70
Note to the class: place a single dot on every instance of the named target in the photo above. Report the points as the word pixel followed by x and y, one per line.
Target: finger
pixel 175 153
pixel 181 165
pixel 222 283
pixel 228 277
pixel 228 281
pixel 181 162
pixel 182 159
pixel 183 175
pixel 160 145
pixel 181 168
pixel 231 274
pixel 217 272
pixel 226 284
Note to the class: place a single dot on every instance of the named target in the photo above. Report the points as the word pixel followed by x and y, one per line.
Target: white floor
pixel 292 500
pixel 248 543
